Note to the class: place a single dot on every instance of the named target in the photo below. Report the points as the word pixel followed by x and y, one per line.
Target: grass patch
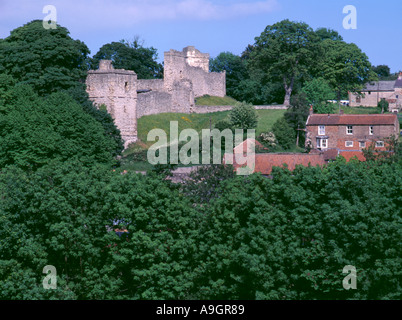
pixel 185 121
pixel 133 157
pixel 266 119
pixel 358 110
pixel 215 101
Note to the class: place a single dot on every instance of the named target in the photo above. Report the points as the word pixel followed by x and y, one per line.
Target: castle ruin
pixel 186 77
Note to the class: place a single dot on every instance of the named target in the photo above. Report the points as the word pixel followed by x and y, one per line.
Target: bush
pixel 268 139
pixel 222 125
pixel 243 116
pixel 284 133
pixel 383 105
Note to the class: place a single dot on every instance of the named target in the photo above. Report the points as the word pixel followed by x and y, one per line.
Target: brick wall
pixel 337 135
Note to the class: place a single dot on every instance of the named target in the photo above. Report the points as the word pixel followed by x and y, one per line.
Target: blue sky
pixel 213 26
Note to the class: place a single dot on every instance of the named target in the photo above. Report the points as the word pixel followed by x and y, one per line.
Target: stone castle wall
pixel 117 89
pixel 193 65
pixel 186 76
pixel 150 84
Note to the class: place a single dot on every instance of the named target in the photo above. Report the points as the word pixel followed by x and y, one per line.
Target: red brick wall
pixel 337 135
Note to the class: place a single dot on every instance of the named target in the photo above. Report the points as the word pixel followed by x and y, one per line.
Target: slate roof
pixel 351 119
pixel 398 83
pixel 379 86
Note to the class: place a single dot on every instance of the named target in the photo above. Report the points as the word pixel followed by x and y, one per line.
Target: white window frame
pixel 347 130
pixel 321 130
pixel 320 143
pixel 346 144
pixel 377 142
pixel 371 130
pixel 362 144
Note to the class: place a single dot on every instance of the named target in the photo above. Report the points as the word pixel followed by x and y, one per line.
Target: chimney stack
pixel 311 110
pixel 400 75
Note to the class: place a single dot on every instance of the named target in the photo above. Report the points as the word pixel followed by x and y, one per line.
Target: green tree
pixel 318 92
pixel 35 131
pixel 296 116
pixel 235 71
pixel 66 216
pixel 383 71
pixel 290 237
pixel 383 105
pixel 284 53
pixel 130 56
pixel 344 66
pixel 49 60
pixel 204 184
pixel 324 33
pixel 243 116
pixel 284 133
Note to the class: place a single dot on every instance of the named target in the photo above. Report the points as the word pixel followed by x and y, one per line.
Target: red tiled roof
pixel 351 119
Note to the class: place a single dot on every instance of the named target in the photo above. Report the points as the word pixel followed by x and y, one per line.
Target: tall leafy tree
pixel 235 69
pixel 46 59
pixel 50 61
pixel 296 116
pixel 284 52
pixel 130 56
pixel 344 66
pixel 35 131
pixel 324 33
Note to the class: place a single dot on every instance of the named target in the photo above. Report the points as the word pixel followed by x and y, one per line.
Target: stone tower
pixel 193 65
pixel 117 90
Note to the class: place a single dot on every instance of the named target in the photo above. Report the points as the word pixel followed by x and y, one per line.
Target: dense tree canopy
pixel 50 61
pixel 344 66
pixel 46 59
pixel 284 52
pixel 288 237
pixel 130 56
pixel 35 131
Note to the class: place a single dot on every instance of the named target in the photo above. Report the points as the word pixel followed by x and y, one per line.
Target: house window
pixel 349 130
pixel 321 130
pixel 358 99
pixel 349 144
pixel 362 144
pixel 322 143
pixel 379 144
pixel 371 130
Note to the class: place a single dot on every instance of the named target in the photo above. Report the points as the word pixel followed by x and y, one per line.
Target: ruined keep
pixel 117 90
pixel 186 77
